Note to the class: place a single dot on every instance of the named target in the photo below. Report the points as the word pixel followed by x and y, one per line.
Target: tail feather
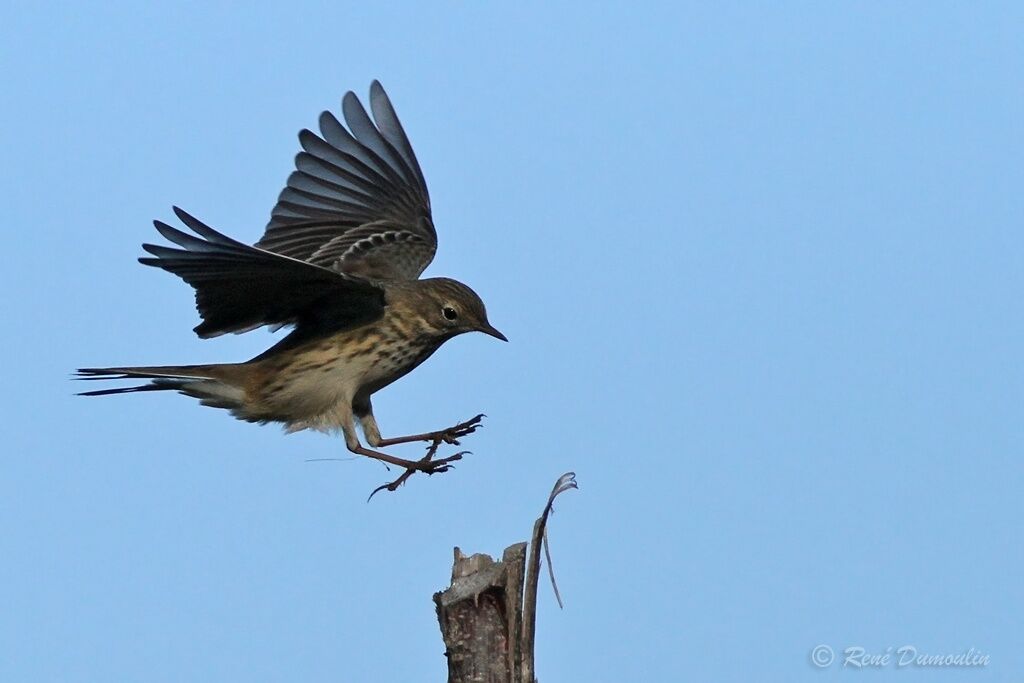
pixel 214 385
pixel 152 386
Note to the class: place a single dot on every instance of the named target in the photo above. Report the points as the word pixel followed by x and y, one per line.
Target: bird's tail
pixel 219 386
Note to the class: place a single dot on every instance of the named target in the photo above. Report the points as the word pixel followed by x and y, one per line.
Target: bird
pixel 339 263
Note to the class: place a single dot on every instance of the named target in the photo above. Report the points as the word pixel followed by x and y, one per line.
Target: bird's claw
pixel 453 434
pixel 427 465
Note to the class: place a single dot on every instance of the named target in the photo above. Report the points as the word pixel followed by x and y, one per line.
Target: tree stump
pixel 488 614
pixel 480 616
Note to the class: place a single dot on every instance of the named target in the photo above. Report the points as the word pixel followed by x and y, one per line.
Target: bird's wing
pixel 239 287
pixel 356 202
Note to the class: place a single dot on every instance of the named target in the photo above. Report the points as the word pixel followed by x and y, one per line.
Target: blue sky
pixel 760 265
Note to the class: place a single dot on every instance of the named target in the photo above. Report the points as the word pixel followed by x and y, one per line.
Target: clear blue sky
pixel 761 266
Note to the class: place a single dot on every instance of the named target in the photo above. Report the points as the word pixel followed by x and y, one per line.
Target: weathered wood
pixel 479 615
pixel 488 615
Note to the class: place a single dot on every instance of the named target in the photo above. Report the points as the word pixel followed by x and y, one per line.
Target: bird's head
pixel 449 308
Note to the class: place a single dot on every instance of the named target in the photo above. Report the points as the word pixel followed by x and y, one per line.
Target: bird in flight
pixel 339 262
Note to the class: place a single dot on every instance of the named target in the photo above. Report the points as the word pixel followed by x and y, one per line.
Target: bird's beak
pixel 487 328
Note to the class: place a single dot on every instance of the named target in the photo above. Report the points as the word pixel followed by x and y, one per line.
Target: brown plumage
pixel 339 262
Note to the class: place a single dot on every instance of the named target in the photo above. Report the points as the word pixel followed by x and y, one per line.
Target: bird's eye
pixel 449 313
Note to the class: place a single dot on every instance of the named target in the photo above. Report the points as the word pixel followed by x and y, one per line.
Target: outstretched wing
pixel 239 288
pixel 357 202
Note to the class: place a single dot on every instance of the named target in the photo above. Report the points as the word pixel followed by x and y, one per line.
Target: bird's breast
pixel 333 370
pixel 394 358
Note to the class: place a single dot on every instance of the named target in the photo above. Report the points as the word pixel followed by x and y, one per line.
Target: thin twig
pixel 565 482
pixel 355 457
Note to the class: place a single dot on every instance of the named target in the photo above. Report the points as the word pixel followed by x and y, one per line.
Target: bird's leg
pixel 426 464
pixel 449 436
pixel 363 409
pixel 422 465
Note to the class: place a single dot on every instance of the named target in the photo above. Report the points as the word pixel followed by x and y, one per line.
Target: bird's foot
pixel 449 436
pixel 453 434
pixel 426 464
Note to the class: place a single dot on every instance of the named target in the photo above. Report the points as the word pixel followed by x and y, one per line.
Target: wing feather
pixel 356 184
pixel 239 287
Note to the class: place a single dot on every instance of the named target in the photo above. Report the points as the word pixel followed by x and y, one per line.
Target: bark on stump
pixel 480 616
